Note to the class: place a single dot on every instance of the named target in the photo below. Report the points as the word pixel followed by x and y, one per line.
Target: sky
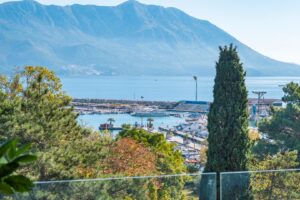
pixel 271 27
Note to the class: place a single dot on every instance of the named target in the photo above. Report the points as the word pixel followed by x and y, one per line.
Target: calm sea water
pixel 157 88
pixel 93 121
pixel 162 88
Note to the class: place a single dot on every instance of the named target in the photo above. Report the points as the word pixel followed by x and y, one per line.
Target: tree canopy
pixel 283 127
pixel 34 109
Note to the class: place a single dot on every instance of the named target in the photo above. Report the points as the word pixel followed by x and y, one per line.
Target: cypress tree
pixel 228 142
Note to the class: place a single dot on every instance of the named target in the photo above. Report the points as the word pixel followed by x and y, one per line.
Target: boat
pixel 191 120
pixel 109 127
pixel 150 114
pixel 176 115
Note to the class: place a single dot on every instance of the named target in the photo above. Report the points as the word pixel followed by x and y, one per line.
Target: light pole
pixel 196 81
pixel 142 120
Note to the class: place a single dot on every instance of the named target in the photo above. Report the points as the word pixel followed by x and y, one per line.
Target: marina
pixel 183 123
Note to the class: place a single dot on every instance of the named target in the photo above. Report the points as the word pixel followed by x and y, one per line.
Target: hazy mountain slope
pixel 131 39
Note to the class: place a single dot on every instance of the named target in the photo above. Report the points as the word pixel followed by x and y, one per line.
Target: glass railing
pixel 261 185
pixel 265 185
pixel 128 188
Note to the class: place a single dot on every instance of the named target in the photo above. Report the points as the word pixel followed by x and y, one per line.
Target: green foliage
pixel 279 151
pixel 283 128
pixel 228 117
pixel 276 184
pixel 12 158
pixel 292 93
pixel 282 160
pixel 228 139
pixel 168 161
pixel 34 110
pixel 263 148
pixel 192 168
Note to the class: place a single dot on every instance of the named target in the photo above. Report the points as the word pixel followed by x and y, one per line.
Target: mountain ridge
pixel 128 39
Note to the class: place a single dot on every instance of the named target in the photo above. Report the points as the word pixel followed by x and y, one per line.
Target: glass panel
pixel 272 184
pixel 156 187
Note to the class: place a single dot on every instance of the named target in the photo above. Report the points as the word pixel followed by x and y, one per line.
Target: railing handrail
pixel 261 171
pixel 163 176
pixel 125 177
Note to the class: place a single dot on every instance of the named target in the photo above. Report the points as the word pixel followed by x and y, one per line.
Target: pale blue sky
pixel 271 27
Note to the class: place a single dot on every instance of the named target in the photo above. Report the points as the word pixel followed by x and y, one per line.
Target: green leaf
pixel 5 189
pixel 12 150
pixel 3 160
pixel 9 168
pixel 25 159
pixel 4 147
pixel 19 183
pixel 23 149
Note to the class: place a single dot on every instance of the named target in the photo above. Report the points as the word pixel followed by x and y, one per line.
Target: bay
pixel 93 121
pixel 173 88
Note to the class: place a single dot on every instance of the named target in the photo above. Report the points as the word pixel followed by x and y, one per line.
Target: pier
pixel 182 134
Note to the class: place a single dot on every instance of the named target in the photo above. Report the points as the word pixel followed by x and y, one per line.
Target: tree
pixel 228 142
pixel 276 184
pixel 292 93
pixel 111 121
pixel 129 158
pixel 12 158
pixel 150 122
pixel 168 161
pixel 277 150
pixel 35 110
pixel 283 128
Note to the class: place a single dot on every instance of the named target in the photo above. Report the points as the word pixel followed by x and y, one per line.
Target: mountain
pixel 128 39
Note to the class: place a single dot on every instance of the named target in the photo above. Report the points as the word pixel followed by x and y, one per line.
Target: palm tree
pixel 111 121
pixel 150 124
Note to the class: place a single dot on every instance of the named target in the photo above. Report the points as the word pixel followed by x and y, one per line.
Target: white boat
pixel 150 114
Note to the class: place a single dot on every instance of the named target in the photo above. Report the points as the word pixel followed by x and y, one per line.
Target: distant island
pixel 128 39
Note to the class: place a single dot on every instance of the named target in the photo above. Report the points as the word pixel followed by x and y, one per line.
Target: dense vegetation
pixel 33 109
pixel 279 149
pixel 283 128
pixel 167 161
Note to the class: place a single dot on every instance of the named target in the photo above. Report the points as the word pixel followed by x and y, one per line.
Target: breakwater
pixel 101 102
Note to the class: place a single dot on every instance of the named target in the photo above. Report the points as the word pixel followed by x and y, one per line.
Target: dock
pixel 182 134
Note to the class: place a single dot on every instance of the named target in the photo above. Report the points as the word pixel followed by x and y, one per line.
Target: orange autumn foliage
pixel 130 158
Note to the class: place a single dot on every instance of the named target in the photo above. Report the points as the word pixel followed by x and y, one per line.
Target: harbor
pixel 183 123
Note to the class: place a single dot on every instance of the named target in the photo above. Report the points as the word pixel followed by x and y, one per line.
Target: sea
pixel 157 88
